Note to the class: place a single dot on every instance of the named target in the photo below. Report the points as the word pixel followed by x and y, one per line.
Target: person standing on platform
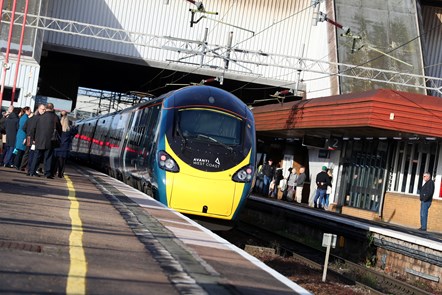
pixel 291 184
pixel 20 142
pixel 42 134
pixel 276 180
pixel 325 202
pixel 426 197
pixel 28 157
pixel 322 181
pixel 3 135
pixel 62 152
pixel 300 184
pixel 11 127
pixel 268 171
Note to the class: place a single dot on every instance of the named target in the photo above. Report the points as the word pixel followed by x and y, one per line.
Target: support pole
pixel 229 48
pixel 204 46
pixel 22 35
pixel 328 241
pixel 1 11
pixel 8 48
pixel 327 255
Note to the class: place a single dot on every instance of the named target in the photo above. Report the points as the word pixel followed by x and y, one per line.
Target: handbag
pixel 55 138
pixel 283 184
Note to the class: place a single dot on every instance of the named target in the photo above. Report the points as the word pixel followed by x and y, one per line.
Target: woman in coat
pixel 20 141
pixel 62 152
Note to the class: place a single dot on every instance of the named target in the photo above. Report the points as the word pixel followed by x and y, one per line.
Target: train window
pixel 150 116
pixel 208 124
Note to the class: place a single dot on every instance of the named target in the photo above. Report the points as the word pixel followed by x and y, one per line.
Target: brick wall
pixel 404 210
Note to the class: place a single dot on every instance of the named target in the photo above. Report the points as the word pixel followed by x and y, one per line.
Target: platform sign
pixel 334 143
pixel 329 240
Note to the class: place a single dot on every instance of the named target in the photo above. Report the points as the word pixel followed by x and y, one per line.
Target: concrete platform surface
pixel 88 233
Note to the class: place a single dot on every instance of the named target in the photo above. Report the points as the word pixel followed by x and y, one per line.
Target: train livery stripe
pixel 76 283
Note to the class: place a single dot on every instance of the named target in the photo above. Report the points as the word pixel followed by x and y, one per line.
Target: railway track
pixel 348 272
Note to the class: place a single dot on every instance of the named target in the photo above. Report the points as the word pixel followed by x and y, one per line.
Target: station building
pixel 371 85
pixel 378 144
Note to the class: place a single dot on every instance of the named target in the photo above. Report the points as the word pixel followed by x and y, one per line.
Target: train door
pixel 130 145
pixel 115 138
pixel 126 125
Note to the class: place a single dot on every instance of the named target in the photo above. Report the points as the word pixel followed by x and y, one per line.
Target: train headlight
pixel 166 162
pixel 245 174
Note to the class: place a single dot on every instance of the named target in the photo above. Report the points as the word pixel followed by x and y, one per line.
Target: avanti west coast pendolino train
pixel 192 149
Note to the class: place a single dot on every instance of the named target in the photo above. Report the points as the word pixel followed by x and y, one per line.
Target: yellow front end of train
pixel 208 194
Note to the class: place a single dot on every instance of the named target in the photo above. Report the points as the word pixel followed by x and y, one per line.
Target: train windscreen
pixel 209 125
pixel 209 139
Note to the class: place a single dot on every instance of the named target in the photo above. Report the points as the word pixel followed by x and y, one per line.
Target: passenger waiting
pixel 62 152
pixel 322 182
pixel 276 180
pixel 291 184
pixel 302 177
pixel 20 142
pixel 268 171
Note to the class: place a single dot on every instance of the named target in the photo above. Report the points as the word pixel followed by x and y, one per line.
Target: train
pixel 192 149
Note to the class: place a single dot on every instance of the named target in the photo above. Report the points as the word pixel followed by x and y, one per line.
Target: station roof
pixel 376 113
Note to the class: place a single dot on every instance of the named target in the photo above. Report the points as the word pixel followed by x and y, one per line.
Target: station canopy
pixel 381 113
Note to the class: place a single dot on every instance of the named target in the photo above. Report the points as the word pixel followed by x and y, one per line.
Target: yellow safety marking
pixel 78 265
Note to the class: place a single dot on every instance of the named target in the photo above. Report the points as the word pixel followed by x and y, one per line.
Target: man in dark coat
pixel 426 196
pixel 269 171
pixel 11 127
pixel 322 181
pixel 42 134
pixel 29 153
pixel 2 122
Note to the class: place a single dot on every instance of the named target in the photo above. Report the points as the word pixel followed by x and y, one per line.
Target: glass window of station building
pixel 372 167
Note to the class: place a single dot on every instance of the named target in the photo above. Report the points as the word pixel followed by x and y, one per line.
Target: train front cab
pixel 213 150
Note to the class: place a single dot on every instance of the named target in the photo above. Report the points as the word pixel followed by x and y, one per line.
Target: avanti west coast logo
pixel 206 162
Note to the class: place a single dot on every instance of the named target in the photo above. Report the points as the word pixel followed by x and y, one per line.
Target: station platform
pixel 430 239
pixel 88 233
pixel 400 250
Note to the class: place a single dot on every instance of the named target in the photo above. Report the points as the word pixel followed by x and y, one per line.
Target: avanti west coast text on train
pixel 193 149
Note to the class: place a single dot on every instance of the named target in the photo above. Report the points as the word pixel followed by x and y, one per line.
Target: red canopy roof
pixel 379 113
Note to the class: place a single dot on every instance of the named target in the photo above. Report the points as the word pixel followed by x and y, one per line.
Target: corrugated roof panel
pixel 432 41
pixel 277 24
pixel 270 26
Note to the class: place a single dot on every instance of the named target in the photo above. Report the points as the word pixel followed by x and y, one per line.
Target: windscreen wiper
pixel 229 148
pixel 183 139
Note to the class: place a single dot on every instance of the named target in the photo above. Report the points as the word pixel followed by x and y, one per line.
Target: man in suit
pixel 45 125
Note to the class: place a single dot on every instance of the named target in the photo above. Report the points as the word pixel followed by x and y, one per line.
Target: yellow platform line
pixel 76 283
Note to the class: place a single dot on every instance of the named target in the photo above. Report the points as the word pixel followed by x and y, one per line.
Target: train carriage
pixel 193 149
